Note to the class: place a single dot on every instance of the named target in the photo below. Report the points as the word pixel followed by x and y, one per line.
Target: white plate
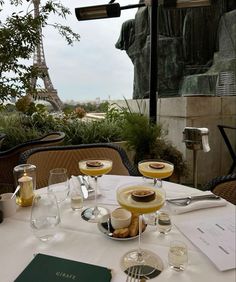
pixel 103 228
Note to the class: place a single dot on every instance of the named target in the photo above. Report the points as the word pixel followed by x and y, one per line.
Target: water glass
pixel 45 216
pixel 76 199
pixel 178 255
pixel 58 183
pixel 163 222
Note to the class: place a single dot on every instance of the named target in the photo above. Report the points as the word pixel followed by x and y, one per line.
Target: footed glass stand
pixel 94 214
pixel 95 168
pixel 142 262
pixel 148 265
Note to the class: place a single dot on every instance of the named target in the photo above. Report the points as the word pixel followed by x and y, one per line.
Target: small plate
pixel 103 227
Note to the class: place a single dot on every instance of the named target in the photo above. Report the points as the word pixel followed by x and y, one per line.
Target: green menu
pixel 45 268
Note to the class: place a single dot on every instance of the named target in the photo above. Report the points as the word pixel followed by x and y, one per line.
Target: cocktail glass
pixel 156 170
pixel 95 168
pixel 147 262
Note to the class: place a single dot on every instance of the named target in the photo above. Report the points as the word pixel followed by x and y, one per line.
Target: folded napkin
pixel 74 184
pixel 195 204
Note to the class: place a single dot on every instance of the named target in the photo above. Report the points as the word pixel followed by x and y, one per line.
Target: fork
pixel 133 274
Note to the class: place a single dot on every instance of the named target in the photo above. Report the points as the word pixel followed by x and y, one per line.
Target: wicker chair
pixel 10 158
pixel 223 186
pixel 48 158
pixel 2 136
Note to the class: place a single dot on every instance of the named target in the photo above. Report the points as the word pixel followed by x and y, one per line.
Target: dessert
pixel 125 199
pixel 156 169
pixel 95 167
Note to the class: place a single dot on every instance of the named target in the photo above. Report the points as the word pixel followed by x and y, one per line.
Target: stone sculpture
pixel 187 42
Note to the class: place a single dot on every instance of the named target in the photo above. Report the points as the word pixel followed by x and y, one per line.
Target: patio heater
pixel 112 10
pixel 196 139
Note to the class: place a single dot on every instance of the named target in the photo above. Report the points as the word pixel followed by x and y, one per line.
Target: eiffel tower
pixel 48 93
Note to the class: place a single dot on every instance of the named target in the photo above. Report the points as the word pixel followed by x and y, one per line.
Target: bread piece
pixel 121 233
pixel 133 228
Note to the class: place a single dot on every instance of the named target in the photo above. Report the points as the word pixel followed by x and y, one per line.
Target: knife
pixel 83 186
pixel 200 197
pixel 89 188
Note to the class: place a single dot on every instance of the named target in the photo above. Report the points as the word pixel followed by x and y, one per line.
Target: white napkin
pixel 195 204
pixel 74 183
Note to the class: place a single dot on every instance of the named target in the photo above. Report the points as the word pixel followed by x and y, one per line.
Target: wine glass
pixel 58 183
pixel 141 199
pixel 45 216
pixel 95 168
pixel 157 170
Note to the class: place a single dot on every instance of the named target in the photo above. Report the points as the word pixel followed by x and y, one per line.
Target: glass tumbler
pixel 58 183
pixel 178 255
pixel 45 216
pixel 76 199
pixel 163 222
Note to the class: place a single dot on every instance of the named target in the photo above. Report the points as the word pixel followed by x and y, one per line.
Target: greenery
pixel 20 33
pixel 145 139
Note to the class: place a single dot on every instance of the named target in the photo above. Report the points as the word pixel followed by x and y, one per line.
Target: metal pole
pixel 153 70
pixel 195 168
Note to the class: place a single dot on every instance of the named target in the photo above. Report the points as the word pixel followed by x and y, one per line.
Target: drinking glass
pixel 156 170
pixel 58 183
pixel 178 255
pixel 45 216
pixel 95 168
pixel 141 199
pixel 163 222
pixel 76 199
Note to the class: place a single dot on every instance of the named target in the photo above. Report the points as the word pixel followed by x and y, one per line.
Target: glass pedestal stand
pixel 94 214
pixel 148 267
pixel 144 263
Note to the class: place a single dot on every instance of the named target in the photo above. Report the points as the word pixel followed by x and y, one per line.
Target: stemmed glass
pixel 95 168
pixel 58 183
pixel 45 216
pixel 141 199
pixel 156 170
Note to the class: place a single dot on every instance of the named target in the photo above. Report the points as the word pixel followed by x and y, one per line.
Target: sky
pixel 92 68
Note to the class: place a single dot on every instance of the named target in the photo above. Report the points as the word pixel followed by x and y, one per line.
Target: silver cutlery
pixel 185 201
pixel 83 187
pixel 88 186
pixel 133 274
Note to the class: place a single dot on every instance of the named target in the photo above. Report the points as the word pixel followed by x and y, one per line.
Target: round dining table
pixel 79 240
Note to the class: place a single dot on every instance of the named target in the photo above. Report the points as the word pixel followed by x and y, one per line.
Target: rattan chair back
pixel 224 186
pixel 10 158
pixel 68 157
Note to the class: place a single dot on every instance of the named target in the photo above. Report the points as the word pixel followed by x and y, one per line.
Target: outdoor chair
pixel 223 186
pixel 225 130
pixel 10 158
pixel 68 157
pixel 2 136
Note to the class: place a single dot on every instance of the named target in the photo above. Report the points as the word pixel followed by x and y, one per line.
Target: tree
pixel 19 36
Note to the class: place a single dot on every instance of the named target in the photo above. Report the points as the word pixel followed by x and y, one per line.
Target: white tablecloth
pixel 82 241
